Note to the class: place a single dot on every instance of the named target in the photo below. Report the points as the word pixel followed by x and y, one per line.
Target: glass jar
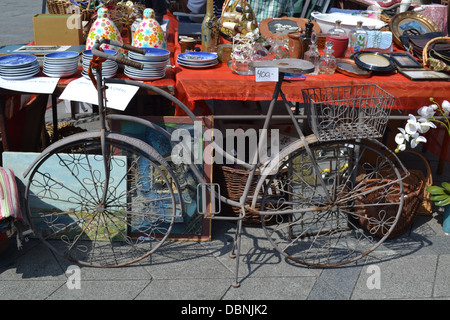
pixel 313 55
pixel 327 62
pixel 339 38
pixel 357 39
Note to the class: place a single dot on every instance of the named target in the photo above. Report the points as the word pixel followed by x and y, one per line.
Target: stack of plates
pixel 61 64
pixel 18 66
pixel 155 62
pixel 197 59
pixel 109 67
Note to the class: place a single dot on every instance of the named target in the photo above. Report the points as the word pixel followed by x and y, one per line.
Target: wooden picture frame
pixel 405 60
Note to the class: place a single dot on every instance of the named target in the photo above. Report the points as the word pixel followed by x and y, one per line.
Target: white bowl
pixel 327 21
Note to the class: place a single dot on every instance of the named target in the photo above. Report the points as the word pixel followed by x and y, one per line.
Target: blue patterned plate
pixel 17 60
pixel 62 55
pixel 197 56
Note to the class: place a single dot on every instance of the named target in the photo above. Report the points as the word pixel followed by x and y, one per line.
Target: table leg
pixel 55 117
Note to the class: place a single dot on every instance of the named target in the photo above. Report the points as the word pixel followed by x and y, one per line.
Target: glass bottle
pixel 306 38
pixel 313 55
pixel 357 39
pixel 210 29
pixel 327 63
pixel 339 38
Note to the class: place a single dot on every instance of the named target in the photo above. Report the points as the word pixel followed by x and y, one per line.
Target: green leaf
pixel 439 197
pixel 443 203
pixel 435 190
pixel 446 185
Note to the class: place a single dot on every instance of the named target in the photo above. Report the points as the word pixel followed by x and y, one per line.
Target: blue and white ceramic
pixel 17 60
pixel 109 67
pixel 197 56
pixel 61 64
pixel 151 54
pixel 155 62
pixel 18 66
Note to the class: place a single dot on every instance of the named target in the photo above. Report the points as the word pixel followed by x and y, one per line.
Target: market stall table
pixel 219 82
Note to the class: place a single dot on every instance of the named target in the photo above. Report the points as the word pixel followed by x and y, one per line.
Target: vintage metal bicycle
pixel 326 199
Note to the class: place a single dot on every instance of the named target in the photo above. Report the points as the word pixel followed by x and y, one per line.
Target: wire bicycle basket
pixel 348 112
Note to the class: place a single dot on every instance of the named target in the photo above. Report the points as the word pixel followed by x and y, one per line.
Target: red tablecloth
pixel 219 82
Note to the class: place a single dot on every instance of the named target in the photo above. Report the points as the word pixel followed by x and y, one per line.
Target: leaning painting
pixel 191 225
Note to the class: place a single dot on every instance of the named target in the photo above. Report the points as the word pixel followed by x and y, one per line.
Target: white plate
pixel 58 75
pixel 19 77
pixel 20 71
pixel 142 78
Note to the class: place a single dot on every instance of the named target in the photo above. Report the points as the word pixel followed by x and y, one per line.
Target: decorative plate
pixel 14 60
pixel 62 55
pixel 197 56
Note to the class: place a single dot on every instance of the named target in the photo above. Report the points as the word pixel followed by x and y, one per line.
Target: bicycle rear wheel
pixel 101 211
pixel 364 204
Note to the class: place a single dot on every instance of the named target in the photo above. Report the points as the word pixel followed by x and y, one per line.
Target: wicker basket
pixel 62 7
pixel 232 183
pixel 435 64
pixel 370 215
pixel 426 207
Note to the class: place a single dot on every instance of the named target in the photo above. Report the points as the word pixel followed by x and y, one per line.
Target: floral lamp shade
pixel 103 27
pixel 149 33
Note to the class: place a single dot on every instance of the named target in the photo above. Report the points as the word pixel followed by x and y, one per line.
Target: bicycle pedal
pixel 208 202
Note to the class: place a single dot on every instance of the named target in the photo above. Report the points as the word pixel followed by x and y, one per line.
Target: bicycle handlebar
pixel 118 59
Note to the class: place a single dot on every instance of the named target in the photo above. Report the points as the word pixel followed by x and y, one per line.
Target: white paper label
pixel 266 74
pixel 44 85
pixel 118 95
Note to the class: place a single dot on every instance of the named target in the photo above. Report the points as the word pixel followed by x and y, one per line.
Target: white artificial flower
pixel 416 139
pixel 446 107
pixel 412 126
pixel 425 125
pixel 426 112
pixel 401 137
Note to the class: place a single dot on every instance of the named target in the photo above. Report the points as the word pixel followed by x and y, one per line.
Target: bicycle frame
pixel 254 164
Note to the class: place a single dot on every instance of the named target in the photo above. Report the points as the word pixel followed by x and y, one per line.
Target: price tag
pixel 43 85
pixel 118 95
pixel 266 74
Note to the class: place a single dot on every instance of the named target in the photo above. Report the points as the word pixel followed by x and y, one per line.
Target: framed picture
pixel 405 60
pixel 425 75
pixel 191 226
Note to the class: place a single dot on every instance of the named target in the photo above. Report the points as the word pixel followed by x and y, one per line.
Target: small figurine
pixel 103 27
pixel 149 33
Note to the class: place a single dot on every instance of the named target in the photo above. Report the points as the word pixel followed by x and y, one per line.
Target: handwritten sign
pixel 118 95
pixel 44 85
pixel 266 74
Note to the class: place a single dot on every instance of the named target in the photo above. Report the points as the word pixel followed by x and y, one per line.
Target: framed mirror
pixel 412 23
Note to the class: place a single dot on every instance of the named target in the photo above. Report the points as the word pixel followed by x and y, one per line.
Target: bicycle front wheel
pixel 101 209
pixel 340 220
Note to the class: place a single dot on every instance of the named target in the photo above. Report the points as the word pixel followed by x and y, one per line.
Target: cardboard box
pixel 62 29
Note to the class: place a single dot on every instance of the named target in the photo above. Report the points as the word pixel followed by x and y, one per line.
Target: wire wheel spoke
pixel 101 218
pixel 311 229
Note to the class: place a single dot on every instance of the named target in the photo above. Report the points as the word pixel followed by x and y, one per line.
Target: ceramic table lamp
pixel 103 27
pixel 149 33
